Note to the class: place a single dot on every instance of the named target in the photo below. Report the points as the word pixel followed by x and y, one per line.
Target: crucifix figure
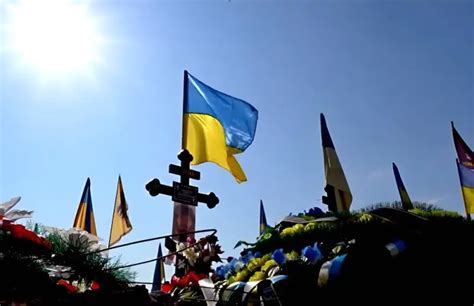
pixel 185 198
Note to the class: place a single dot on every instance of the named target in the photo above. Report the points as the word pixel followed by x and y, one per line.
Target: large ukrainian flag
pixel 85 215
pixel 466 176
pixel 216 126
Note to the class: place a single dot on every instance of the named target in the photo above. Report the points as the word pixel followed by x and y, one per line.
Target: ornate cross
pixel 183 196
pixel 182 192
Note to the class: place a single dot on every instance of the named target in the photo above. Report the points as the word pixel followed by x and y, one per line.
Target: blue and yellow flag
pixel 339 196
pixel 406 201
pixel 263 219
pixel 159 275
pixel 216 126
pixel 85 215
pixel 121 224
pixel 465 154
pixel 466 176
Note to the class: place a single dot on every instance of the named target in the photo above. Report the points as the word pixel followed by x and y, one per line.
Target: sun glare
pixel 55 36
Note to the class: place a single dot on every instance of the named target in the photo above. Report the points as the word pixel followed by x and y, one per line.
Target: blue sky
pixel 388 75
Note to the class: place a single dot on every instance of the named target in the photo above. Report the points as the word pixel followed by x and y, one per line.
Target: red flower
pixel 190 279
pixel 95 285
pixel 166 287
pixel 18 231
pixel 70 288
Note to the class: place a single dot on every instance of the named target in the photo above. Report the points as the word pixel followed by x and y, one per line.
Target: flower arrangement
pixel 326 253
pixel 41 262
pixel 198 258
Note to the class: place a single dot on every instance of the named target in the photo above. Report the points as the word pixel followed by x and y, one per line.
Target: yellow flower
pixel 257 276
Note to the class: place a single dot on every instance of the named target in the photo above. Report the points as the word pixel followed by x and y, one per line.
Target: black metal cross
pixel 182 192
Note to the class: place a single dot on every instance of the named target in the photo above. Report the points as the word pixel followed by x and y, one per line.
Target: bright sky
pixel 388 75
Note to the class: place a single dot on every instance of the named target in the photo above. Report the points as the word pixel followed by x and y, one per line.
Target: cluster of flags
pixel 465 164
pixel 216 127
pixel 120 226
pixel 85 219
pixel 339 196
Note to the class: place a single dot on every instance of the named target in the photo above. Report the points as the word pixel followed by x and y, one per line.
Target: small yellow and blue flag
pixel 465 163
pixel 216 126
pixel 405 198
pixel 466 176
pixel 159 275
pixel 263 219
pixel 85 215
pixel 339 196
pixel 121 224
pixel 465 154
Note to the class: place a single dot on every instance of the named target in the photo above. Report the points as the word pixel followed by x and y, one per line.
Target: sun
pixel 56 37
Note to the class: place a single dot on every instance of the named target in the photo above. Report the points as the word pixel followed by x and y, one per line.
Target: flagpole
pixel 468 215
pixel 185 98
pixel 113 213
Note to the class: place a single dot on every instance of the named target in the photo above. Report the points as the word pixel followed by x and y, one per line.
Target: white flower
pixel 191 256
pixel 77 237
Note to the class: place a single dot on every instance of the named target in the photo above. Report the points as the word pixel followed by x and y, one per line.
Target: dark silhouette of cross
pixel 182 192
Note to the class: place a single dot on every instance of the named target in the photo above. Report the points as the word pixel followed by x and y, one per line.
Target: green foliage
pixel 24 277
pixel 185 296
pixel 436 213
pixel 27 266
pixel 427 207
pixel 89 266
pixel 395 204
pixel 422 209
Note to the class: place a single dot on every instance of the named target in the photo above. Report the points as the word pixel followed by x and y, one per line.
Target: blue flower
pixel 279 256
pixel 313 254
pixel 247 257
